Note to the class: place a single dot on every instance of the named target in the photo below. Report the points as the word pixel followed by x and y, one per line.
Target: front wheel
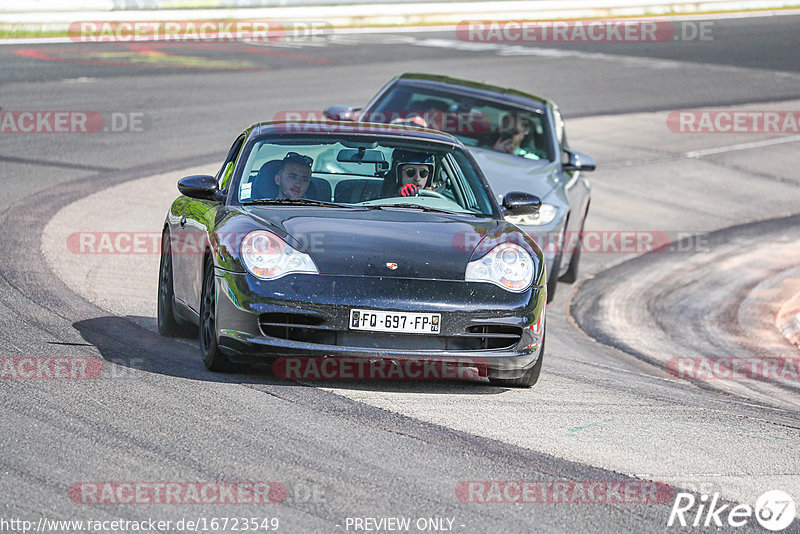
pixel 527 380
pixel 213 358
pixel 552 281
pixel 167 325
pixel 572 272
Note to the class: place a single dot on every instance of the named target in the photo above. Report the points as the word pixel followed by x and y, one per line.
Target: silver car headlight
pixel 267 256
pixel 545 215
pixel 508 266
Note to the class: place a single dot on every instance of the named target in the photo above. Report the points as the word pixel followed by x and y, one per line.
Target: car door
pixel 176 222
pixel 574 190
pixel 198 218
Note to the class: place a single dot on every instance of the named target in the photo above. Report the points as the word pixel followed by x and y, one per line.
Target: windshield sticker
pixel 245 191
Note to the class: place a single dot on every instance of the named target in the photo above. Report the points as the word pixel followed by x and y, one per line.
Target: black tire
pixel 213 358
pixel 572 273
pixel 527 380
pixel 167 325
pixel 552 281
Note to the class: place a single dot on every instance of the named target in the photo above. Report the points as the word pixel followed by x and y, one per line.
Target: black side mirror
pixel 200 186
pixel 519 203
pixel 578 161
pixel 341 113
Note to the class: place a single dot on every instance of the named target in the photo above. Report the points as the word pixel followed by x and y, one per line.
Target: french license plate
pixel 401 322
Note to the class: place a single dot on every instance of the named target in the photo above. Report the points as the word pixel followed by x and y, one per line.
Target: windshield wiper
pixel 429 209
pixel 292 202
pixel 409 205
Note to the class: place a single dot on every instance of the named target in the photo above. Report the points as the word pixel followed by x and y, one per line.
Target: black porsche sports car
pixel 353 240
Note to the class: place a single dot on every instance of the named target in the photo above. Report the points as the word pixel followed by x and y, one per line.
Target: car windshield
pixel 368 172
pixel 476 122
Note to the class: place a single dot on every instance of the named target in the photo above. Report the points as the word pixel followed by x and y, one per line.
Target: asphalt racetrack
pixel 609 407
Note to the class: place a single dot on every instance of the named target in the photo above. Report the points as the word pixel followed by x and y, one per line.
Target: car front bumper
pixel 308 316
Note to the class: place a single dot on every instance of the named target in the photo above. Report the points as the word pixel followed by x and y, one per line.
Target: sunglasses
pixel 305 159
pixel 411 172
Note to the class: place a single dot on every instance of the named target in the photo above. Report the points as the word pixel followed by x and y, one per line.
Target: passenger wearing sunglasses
pixel 294 175
pixel 413 171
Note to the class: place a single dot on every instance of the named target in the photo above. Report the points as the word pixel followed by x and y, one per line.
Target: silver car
pixel 518 140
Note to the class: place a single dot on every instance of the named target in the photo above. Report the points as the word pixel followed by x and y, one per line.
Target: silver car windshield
pixel 476 122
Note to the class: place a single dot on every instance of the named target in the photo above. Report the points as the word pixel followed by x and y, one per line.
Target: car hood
pixel 362 242
pixel 506 172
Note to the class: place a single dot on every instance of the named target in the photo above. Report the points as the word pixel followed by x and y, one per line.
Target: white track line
pixel 743 146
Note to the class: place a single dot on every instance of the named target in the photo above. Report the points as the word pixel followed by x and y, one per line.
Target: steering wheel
pixel 432 193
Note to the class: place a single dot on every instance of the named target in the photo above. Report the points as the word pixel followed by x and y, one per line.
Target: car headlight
pixel 268 257
pixel 508 266
pixel 545 215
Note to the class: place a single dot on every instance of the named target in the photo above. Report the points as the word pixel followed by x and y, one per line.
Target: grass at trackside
pixel 23 31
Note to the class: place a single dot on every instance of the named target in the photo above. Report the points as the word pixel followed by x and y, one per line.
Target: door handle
pixel 183 221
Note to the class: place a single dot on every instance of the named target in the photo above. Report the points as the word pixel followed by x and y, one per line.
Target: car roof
pixel 337 128
pixel 474 89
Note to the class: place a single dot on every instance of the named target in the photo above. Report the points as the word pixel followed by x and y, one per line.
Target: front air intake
pixel 291 326
pixel 494 336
